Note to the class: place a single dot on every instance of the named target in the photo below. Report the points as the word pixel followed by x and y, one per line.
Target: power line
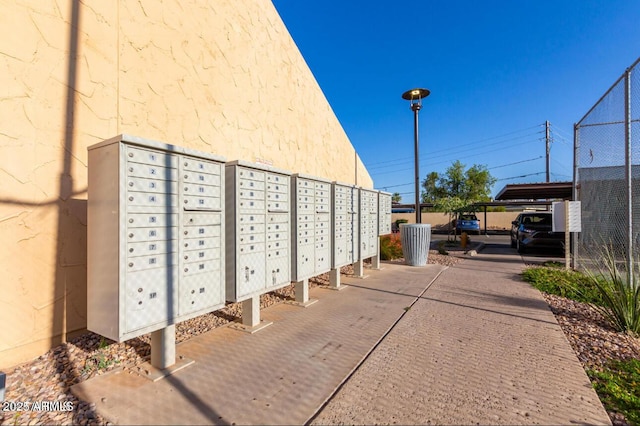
pixel 374 173
pixel 447 152
pixel 403 159
pixel 517 162
pixel 522 176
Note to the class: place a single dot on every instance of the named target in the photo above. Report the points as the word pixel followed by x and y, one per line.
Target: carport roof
pixel 536 191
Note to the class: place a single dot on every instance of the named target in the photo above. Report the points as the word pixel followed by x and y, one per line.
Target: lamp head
pixel 415 96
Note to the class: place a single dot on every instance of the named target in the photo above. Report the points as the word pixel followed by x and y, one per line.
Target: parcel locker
pixel 368 223
pixel 345 224
pixel 384 213
pixel 311 213
pixel 155 236
pixel 258 225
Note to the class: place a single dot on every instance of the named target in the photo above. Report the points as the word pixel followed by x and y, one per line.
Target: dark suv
pixel 533 230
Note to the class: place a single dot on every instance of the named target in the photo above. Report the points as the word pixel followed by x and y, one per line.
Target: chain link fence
pixel 607 173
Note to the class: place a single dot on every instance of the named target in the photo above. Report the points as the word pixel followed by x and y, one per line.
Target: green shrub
pixel 619 291
pixel 570 284
pixel 390 247
pixel 618 386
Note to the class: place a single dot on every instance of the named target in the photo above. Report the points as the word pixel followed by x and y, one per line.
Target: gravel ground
pixel 49 377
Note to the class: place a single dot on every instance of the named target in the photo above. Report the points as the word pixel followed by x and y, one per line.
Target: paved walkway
pixel 461 345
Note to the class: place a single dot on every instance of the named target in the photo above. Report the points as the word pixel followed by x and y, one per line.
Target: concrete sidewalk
pixel 462 345
pixel 480 347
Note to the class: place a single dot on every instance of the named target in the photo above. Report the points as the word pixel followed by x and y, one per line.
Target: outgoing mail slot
pixel 197 219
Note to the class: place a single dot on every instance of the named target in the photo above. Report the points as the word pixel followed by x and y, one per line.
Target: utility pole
pixel 548 140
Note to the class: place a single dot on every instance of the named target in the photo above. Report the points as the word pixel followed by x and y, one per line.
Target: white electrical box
pixel 368 223
pixel 258 221
pixel 384 213
pixel 155 236
pixel 311 227
pixel 345 224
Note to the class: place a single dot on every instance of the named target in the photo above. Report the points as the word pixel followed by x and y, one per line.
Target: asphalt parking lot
pixel 536 257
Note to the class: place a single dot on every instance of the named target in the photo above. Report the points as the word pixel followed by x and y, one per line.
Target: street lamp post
pixel 415 96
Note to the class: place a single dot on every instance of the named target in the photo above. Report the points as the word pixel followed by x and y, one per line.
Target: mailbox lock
pixel 131 235
pixel 140 290
pixel 131 154
pixel 186 269
pixel 186 257
pixel 130 264
pixel 130 198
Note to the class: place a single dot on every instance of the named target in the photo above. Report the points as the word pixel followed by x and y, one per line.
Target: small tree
pixel 396 197
pixel 449 205
pixel 458 188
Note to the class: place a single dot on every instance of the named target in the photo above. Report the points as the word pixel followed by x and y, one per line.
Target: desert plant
pixel 617 386
pixel 390 247
pixel 619 288
pixel 556 280
pixel 441 249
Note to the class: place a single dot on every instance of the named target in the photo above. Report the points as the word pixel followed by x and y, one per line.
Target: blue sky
pixel 497 70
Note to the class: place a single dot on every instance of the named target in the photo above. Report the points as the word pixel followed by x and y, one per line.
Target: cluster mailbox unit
pixel 311 231
pixel 345 225
pixel 258 208
pixel 173 233
pixel 384 211
pixel 155 239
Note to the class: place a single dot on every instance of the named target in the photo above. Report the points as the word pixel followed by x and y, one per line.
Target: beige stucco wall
pixel 223 77
pixel 496 221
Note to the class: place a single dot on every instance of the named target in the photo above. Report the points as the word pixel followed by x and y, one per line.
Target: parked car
pixel 468 223
pixel 533 230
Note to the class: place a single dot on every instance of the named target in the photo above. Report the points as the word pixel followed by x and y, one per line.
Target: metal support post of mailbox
pixel 251 312
pixel 302 294
pixel 163 347
pixel 334 280
pixel 251 322
pixel 375 260
pixel 358 269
